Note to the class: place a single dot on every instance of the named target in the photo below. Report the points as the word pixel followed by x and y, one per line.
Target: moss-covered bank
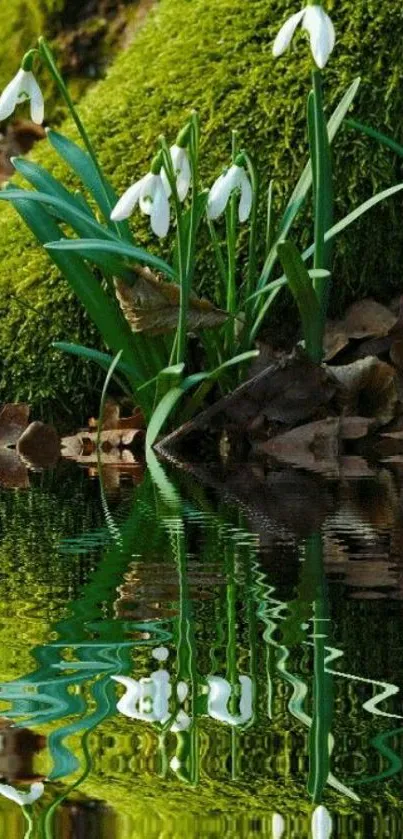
pixel 216 55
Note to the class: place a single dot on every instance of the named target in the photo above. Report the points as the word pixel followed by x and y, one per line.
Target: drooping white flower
pixel 22 798
pixel 234 179
pixel 277 826
pixel 22 87
pixel 150 193
pixel 319 27
pixel 321 823
pixel 181 166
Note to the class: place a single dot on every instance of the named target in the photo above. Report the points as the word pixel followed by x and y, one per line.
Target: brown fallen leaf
pixel 14 418
pixel 112 419
pixel 368 319
pixel 151 305
pixel 334 339
pixel 290 390
pixel 368 389
pixel 365 319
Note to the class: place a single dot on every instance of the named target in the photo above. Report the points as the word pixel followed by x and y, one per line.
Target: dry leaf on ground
pixel 151 305
pixel 368 389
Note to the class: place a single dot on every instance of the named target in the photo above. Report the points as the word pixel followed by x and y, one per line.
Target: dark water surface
pixel 186 659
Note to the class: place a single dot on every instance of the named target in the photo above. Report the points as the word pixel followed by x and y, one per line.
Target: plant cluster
pixel 144 307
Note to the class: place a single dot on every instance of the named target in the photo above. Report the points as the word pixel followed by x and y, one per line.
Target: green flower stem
pixel 252 266
pixel 323 198
pixel 319 752
pixel 47 56
pixel 29 821
pixel 222 270
pixel 182 246
pixel 231 302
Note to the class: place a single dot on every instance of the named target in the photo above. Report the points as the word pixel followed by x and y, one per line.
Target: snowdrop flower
pixel 150 193
pixel 22 87
pixel 234 179
pixel 319 27
pixel 181 167
pixel 22 798
pixel 321 823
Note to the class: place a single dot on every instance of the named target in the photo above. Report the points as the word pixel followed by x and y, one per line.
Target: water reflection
pixel 210 666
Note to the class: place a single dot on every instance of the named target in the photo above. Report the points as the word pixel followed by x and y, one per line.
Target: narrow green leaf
pixel 305 182
pixel 66 211
pixel 101 309
pixel 272 289
pixel 82 165
pixel 301 288
pixel 382 138
pixel 88 247
pixel 162 413
pixel 103 359
pixel 43 181
pixel 355 214
pixel 112 367
pixel 207 381
pixel 168 378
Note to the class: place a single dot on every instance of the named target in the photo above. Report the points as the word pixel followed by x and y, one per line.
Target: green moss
pixel 216 55
pixel 21 21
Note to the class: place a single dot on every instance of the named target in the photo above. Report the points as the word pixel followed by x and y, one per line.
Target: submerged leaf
pixel 151 305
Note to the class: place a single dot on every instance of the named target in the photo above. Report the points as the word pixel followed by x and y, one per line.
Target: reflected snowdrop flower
pixel 22 88
pixel 181 167
pixel 321 823
pixel 319 26
pixel 22 798
pixel 277 826
pixel 220 691
pixel 145 699
pixel 235 178
pixel 150 193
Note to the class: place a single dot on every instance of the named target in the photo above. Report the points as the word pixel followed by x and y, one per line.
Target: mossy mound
pixel 215 55
pixel 21 22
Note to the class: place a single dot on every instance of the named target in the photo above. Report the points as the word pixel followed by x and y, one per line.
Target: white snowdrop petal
pixel 321 33
pixel 37 102
pixel 165 181
pixel 245 204
pixel 277 826
pixel 160 211
pixel 148 187
pixel 321 823
pixel 127 202
pixel 218 197
pixel 181 166
pixel 9 97
pixel 284 37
